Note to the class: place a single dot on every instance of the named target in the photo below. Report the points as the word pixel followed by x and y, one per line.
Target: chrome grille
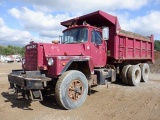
pixel 31 59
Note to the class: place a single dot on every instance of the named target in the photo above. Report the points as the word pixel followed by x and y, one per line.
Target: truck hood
pixel 64 49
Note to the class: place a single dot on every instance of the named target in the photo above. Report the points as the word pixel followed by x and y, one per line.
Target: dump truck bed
pixel 131 46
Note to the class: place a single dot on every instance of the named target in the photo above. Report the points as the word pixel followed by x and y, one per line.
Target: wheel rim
pixel 75 90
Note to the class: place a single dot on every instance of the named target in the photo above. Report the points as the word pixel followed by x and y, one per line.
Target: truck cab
pixel 91 39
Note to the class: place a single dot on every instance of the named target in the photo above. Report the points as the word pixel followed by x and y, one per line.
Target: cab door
pixel 98 49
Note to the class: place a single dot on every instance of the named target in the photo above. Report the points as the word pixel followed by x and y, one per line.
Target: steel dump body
pixel 125 46
pixel 122 45
pixel 129 46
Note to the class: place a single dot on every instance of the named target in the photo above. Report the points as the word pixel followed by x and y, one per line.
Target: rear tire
pixel 124 76
pixel 134 75
pixel 71 89
pixel 145 71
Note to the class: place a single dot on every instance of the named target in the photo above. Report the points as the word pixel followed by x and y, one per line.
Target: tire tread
pixel 58 88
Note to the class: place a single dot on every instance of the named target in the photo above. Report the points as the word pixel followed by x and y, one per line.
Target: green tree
pixel 11 50
pixel 8 51
pixel 157 45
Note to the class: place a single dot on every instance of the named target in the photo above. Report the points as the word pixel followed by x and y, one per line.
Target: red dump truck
pixel 93 50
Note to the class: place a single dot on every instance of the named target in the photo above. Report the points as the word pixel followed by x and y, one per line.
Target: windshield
pixel 76 35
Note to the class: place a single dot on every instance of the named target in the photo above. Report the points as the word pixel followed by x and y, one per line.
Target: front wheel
pixel 71 89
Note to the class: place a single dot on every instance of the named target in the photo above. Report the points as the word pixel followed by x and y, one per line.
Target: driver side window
pixel 96 37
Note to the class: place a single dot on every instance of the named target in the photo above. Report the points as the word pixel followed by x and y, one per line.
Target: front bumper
pixel 28 83
pixel 27 79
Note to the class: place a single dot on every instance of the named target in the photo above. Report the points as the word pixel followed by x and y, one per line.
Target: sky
pixel 39 20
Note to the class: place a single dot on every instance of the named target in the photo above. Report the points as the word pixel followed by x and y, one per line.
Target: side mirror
pixel 105 33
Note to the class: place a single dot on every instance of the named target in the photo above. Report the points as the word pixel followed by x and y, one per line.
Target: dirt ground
pixel 115 102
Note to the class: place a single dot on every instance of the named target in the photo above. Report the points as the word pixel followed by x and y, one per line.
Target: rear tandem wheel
pixel 134 75
pixel 145 71
pixel 124 76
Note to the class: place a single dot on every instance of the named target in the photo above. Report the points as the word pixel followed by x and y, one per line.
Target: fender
pixel 79 62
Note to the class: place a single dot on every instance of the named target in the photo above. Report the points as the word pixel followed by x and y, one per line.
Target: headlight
pixel 23 61
pixel 50 61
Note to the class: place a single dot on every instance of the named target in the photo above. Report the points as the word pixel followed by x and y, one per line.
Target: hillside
pixel 155 68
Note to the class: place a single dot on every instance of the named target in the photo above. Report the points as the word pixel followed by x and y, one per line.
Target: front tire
pixel 71 89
